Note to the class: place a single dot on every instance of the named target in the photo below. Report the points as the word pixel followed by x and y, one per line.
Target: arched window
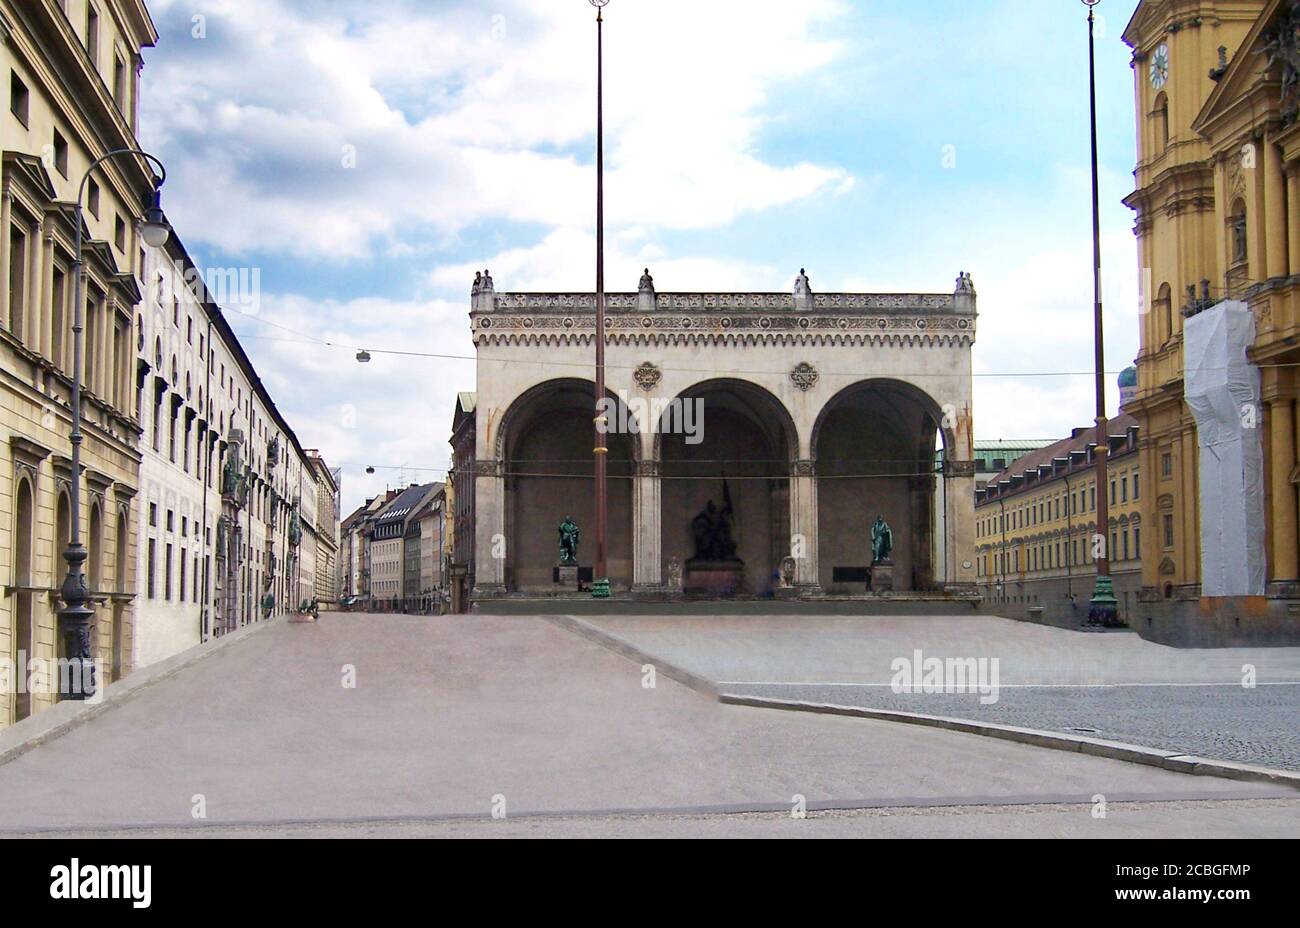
pixel 1160 117
pixel 1237 228
pixel 1164 309
pixel 157 355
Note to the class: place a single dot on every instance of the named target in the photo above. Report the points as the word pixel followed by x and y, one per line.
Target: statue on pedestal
pixel 711 530
pixel 882 541
pixel 569 536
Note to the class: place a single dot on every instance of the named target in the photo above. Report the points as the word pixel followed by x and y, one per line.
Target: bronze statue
pixel 569 536
pixel 882 541
pixel 711 530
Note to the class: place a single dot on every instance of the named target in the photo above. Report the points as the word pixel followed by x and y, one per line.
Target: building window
pixel 60 151
pixel 1161 119
pixel 1112 491
pixel 1168 522
pixel 152 568
pixel 167 575
pixel 1123 489
pixel 183 563
pixel 1137 542
pixel 1166 466
pixel 119 234
pixel 1136 494
pixel 171 520
pixel 92 33
pixel 119 82
pixel 153 515
pixel 20 99
pixel 1092 496
pixel 92 198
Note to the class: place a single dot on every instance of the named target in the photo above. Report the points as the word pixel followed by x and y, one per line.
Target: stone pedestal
pixel 713 579
pixel 882 577
pixel 566 576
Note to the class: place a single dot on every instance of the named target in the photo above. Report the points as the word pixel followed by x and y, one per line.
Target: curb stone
pixel 63 717
pixel 1115 750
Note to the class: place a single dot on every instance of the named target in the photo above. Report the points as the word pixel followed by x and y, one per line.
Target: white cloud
pixel 458 116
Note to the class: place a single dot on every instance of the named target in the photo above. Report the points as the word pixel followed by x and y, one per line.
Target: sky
pixel 366 157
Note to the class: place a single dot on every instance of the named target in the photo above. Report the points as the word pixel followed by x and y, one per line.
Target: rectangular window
pixel 167 575
pixel 17 283
pixel 1112 492
pixel 171 520
pixel 153 568
pixel 1137 543
pixel 20 99
pixel 1093 497
pixel 92 33
pixel 60 153
pixel 1167 522
pixel 153 515
pixel 1136 494
pixel 92 198
pixel 184 561
pixel 119 82
pixel 119 234
pixel 1123 489
pixel 1166 465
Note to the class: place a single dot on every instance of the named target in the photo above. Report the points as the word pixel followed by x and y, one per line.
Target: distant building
pixel 389 567
pixel 460 504
pixel 1036 531
pixel 327 530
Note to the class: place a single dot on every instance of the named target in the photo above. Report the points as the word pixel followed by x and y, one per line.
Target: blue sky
pixel 368 156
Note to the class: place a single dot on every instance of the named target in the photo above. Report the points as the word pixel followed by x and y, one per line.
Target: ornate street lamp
pixel 600 582
pixel 76 612
pixel 1103 610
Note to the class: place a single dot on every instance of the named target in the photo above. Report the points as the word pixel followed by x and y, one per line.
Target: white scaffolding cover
pixel 1222 390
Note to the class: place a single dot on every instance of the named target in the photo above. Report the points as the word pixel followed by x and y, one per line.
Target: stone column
pixel 1293 217
pixel 1282 494
pixel 46 313
pixel 6 218
pixel 1274 212
pixel 32 317
pixel 959 527
pixel 647 529
pixel 803 526
pixel 489 528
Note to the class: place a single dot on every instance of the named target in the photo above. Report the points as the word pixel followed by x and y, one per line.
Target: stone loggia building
pixel 812 413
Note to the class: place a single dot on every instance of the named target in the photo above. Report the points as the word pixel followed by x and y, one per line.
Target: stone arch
pixel 22 639
pixel 544 446
pixel 877 444
pixel 720 439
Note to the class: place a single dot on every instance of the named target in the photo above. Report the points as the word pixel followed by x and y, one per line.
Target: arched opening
pixel 94 561
pixel 1165 313
pixel 876 445
pixel 729 444
pixel 22 644
pixel 121 584
pixel 62 537
pixel 1160 117
pixel 545 441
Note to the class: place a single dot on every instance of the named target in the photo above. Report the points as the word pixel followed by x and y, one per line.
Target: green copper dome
pixel 1129 378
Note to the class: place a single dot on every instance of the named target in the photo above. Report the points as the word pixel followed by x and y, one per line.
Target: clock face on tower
pixel 1160 67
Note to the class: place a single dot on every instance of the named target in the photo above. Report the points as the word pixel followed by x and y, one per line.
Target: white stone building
pixel 225 487
pixel 810 413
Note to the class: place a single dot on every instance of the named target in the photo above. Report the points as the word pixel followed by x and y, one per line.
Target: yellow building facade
pixel 70 73
pixel 1036 528
pixel 1217 210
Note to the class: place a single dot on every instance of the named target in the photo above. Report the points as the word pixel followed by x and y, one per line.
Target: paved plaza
pixel 1113 686
pixel 453 715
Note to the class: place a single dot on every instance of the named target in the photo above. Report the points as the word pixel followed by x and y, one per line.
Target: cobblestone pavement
pixel 1121 686
pixel 1259 726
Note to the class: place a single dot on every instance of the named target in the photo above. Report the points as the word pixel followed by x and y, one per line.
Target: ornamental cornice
pixel 916 339
pixel 724 302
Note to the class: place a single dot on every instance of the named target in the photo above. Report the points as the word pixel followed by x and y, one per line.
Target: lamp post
pixel 600 581
pixel 76 612
pixel 1103 609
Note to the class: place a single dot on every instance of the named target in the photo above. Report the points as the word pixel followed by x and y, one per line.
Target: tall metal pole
pixel 76 612
pixel 600 584
pixel 1103 609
